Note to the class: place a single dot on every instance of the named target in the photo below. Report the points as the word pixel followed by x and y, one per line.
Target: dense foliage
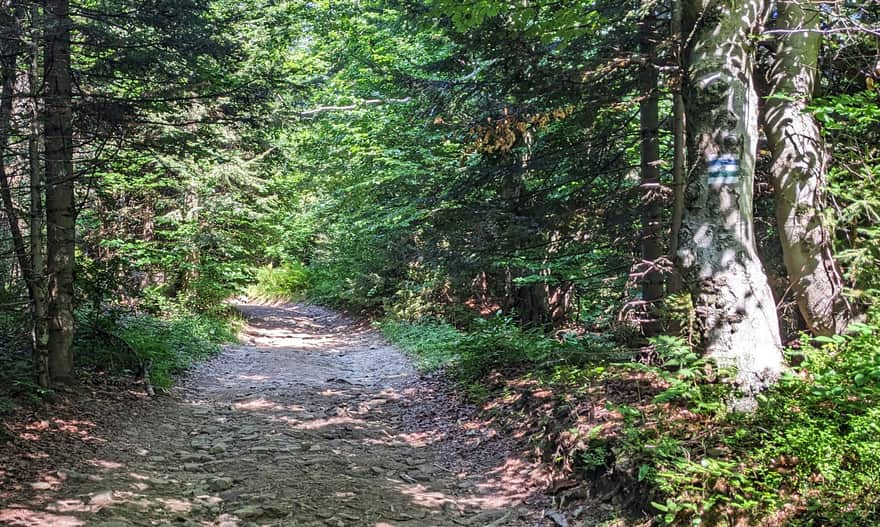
pixel 471 175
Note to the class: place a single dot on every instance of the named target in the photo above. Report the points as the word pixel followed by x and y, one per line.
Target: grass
pixel 166 345
pixel 431 342
pixel 285 283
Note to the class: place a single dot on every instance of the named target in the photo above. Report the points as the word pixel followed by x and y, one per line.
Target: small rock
pixel 230 495
pixel 272 511
pixel 41 485
pixel 248 512
pixel 72 475
pixel 557 518
pixel 489 518
pixel 195 457
pixel 220 484
pixel 101 499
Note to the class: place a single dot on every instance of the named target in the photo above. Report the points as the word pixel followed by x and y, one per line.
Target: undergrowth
pixel 16 380
pixel 161 345
pixel 808 456
pixel 287 282
pixel 492 344
pixel 432 342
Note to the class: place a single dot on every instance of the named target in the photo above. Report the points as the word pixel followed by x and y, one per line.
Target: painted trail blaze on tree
pixel 720 266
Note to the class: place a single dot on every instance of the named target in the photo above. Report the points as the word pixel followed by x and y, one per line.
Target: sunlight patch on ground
pixel 430 499
pixel 420 439
pixel 101 500
pixel 316 424
pixel 104 464
pixel 259 403
pixel 28 518
pixel 69 505
pixel 426 498
pixel 176 505
pixel 254 378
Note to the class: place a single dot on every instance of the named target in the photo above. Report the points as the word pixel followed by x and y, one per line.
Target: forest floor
pixel 312 420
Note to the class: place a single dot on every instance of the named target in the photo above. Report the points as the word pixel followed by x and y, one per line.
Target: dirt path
pixel 312 421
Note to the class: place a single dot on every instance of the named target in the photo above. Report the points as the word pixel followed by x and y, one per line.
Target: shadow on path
pixel 313 420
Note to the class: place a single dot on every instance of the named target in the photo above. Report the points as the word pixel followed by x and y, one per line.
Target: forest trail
pixel 312 420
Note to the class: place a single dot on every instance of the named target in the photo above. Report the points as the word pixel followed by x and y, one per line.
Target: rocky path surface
pixel 313 420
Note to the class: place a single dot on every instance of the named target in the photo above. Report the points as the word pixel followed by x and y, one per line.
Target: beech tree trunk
pixel 674 284
pixel 60 203
pixel 734 306
pixel 649 122
pixel 798 171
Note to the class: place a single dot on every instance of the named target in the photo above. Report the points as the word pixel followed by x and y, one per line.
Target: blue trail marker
pixel 724 170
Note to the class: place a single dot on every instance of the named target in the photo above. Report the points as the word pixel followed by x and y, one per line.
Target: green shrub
pixel 431 341
pixel 290 281
pixel 166 346
pixel 492 344
pixel 813 444
pixel 499 342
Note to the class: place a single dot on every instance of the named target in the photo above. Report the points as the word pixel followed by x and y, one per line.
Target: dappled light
pixel 438 263
pixel 22 517
pixel 294 431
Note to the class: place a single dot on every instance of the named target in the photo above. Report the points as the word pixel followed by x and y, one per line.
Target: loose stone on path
pixel 313 422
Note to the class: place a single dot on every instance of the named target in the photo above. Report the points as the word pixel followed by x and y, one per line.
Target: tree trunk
pixel 60 203
pixel 10 48
pixel 39 315
pixel 679 160
pixel 531 301
pixel 649 117
pixel 733 302
pixel 798 171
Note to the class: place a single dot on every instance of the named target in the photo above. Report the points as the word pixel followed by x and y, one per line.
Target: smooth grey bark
pixel 734 306
pixel 679 160
pixel 649 123
pixel 60 202
pixel 799 168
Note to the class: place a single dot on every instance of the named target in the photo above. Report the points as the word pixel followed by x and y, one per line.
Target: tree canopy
pixel 683 185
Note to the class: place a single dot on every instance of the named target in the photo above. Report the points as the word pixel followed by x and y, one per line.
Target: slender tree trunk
pixel 733 302
pixel 10 48
pixel 40 333
pixel 60 202
pixel 649 112
pixel 798 171
pixel 31 264
pixel 679 159
pixel 531 301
